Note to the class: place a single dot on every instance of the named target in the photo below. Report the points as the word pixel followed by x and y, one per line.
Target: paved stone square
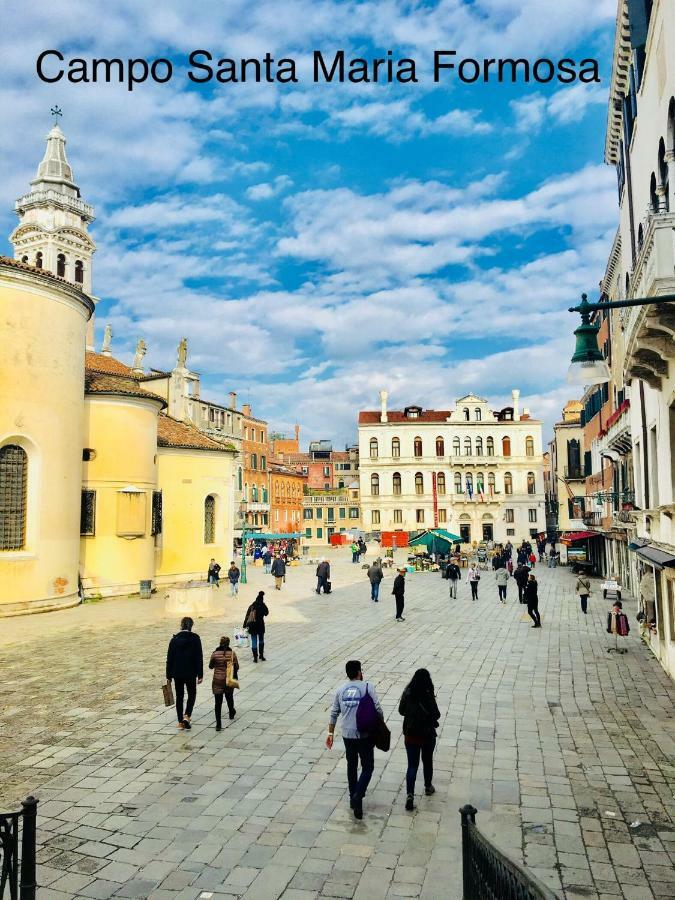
pixel 561 746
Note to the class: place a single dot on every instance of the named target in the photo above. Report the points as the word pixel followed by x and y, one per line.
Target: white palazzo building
pixel 470 470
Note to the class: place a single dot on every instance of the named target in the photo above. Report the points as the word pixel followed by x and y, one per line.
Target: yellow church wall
pixel 122 432
pixel 186 478
pixel 42 335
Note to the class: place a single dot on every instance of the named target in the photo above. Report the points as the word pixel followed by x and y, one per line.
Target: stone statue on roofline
pixel 107 340
pixel 182 353
pixel 141 350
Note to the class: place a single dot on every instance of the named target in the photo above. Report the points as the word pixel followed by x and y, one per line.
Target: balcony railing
pixel 593 519
pixel 487 874
pixel 574 472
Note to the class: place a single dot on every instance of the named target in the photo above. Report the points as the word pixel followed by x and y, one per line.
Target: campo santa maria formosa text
pixel 202 66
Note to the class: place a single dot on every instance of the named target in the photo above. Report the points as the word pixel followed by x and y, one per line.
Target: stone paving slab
pixel 561 746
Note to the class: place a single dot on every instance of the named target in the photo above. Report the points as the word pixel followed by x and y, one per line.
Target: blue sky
pixel 316 243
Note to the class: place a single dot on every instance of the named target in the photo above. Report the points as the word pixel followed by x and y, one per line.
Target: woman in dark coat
pixel 532 600
pixel 254 623
pixel 420 721
pixel 221 660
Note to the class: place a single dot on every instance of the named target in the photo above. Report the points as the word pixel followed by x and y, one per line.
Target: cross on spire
pixel 56 112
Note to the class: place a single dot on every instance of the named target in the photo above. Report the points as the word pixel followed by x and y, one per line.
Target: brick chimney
pixel 515 394
pixel 233 400
pixel 297 434
pixel 246 409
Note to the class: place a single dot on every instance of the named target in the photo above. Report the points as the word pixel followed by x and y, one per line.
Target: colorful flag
pixel 469 487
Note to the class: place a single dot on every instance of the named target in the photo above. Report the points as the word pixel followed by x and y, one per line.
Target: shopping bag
pixel 167 691
pixel 230 680
pixel 242 639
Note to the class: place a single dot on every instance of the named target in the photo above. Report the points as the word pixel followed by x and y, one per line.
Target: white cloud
pixel 567 105
pixel 267 190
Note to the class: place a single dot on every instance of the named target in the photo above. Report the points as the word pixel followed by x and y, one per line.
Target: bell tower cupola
pixel 53 219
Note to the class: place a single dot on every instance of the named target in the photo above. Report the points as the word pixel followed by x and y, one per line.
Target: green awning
pixel 436 540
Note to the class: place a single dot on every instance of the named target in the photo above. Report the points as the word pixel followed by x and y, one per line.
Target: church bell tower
pixel 53 219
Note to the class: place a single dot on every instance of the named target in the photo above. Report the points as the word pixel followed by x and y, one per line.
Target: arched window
pixel 467 414
pixel 467 446
pixel 531 483
pixel 490 445
pixel 61 265
pixel 24 259
pixel 239 479
pixel 491 484
pixel 477 414
pixel 373 448
pixel 440 446
pixel 264 494
pixel 440 483
pixel 479 446
pixel 663 176
pixel 419 483
pixel 653 196
pixel 254 493
pixel 79 271
pixel 210 520
pixel 456 446
pixel 374 484
pixel 480 483
pixel 254 460
pixel 395 447
pixel 529 446
pixel 508 483
pixel 506 446
pixel 13 497
pixel 417 447
pixel 469 483
pixel 38 260
pixel 640 236
pixel 458 482
pixel 396 482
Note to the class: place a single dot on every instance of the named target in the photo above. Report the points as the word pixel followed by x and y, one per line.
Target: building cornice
pixel 618 85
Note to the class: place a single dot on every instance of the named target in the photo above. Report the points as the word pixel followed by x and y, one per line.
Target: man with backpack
pixel 357 702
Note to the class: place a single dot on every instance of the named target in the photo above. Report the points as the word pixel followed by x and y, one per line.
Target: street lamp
pixel 243 578
pixel 588 365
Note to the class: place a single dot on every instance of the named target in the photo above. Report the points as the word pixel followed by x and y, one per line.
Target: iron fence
pixel 488 874
pixel 17 872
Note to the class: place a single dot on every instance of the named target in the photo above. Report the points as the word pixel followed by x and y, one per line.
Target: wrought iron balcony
pixel 576 473
pixel 593 519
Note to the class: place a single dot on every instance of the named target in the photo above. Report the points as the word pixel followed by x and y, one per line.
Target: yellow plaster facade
pixel 186 478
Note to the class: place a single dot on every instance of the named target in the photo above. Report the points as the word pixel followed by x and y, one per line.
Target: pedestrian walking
pixel 541 549
pixel 225 667
pixel 233 576
pixel 502 579
pixel 185 665
pixel 278 570
pixel 213 573
pixel 399 594
pixel 355 552
pixel 323 576
pixel 521 574
pixel 420 721
pixel 508 550
pixel 375 576
pixel 267 560
pixel 473 577
pixel 583 589
pixel 359 747
pixel 532 600
pixel 453 575
pixel 254 623
pixel 532 560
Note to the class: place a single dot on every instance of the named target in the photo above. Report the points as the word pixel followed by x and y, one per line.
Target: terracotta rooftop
pixel 101 383
pixel 106 365
pixel 372 417
pixel 172 433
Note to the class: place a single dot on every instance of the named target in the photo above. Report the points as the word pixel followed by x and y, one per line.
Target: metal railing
pixel 594 519
pixel 489 875
pixel 18 876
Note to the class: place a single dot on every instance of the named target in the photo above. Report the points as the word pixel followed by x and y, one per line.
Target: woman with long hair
pixel 254 623
pixel 420 721
pixel 223 659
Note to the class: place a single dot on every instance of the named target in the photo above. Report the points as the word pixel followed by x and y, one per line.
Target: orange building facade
pixel 255 450
pixel 286 491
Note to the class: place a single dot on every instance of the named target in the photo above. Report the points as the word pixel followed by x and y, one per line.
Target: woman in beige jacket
pixel 222 659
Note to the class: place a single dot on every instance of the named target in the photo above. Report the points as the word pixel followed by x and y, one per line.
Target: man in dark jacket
pixel 532 600
pixel 375 576
pixel 185 664
pixel 399 592
pixel 254 622
pixel 322 576
pixel 279 572
pixel 213 574
pixel 453 575
pixel 521 574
